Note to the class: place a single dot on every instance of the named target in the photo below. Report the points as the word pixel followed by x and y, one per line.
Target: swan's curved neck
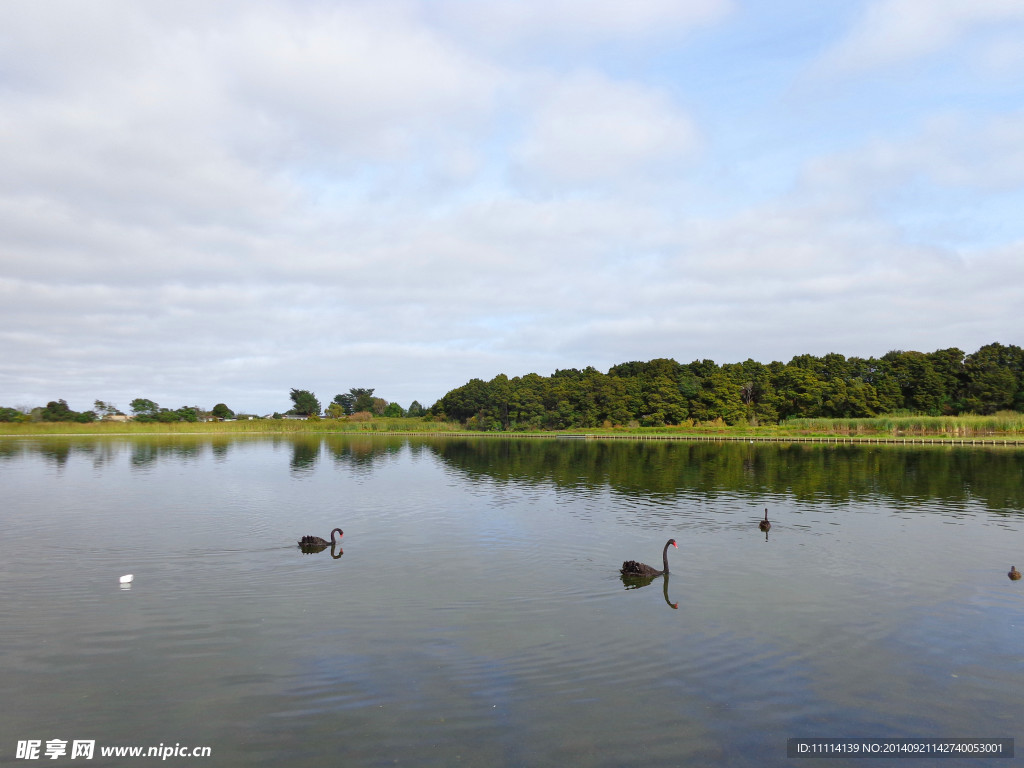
pixel 664 556
pixel 336 531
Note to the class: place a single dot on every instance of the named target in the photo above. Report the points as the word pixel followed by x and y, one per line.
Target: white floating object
pixel 127 579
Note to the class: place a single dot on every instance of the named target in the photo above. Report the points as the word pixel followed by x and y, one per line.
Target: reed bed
pixel 1004 423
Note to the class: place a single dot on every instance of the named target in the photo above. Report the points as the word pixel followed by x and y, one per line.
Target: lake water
pixel 475 614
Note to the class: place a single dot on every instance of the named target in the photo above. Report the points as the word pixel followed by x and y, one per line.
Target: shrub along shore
pixel 1003 427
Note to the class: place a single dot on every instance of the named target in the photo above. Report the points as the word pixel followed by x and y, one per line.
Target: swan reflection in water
pixel 637 582
pixel 312 549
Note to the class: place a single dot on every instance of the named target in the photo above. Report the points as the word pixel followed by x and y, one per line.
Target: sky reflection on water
pixel 477 614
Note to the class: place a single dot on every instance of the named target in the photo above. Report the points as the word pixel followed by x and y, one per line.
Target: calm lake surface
pixel 476 615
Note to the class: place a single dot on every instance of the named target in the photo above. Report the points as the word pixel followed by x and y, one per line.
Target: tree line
pixel 304 403
pixel 358 400
pixel 664 392
pixel 143 409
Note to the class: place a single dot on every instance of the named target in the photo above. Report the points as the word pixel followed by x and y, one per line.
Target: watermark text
pixel 86 749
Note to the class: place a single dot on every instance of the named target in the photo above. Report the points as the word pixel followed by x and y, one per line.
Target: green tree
pixel 949 365
pixel 144 410
pixel 753 380
pixel 663 402
pixel 801 391
pixel 105 409
pixel 393 410
pixel 610 399
pixel 467 401
pixel 221 411
pixel 57 410
pixel 879 374
pixel 497 410
pixel 526 402
pixel 662 391
pixel 568 401
pixel 362 398
pixel 347 403
pixel 305 403
pixel 187 413
pixel 12 414
pixel 720 398
pixel 995 379
pixel 921 387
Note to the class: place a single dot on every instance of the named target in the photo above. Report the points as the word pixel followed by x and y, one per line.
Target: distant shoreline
pixel 961 430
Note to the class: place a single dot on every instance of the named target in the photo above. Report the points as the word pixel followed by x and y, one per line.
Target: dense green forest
pixel 664 392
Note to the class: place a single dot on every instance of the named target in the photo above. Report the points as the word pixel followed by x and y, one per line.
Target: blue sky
pixel 209 203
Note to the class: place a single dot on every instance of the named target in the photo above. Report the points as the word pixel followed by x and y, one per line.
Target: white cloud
pixel 575 22
pixel 350 83
pixel 954 180
pixel 894 31
pixel 1004 55
pixel 983 154
pixel 216 203
pixel 585 129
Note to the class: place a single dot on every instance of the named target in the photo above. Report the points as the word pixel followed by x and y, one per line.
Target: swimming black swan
pixel 764 525
pixel 1014 574
pixel 633 568
pixel 316 541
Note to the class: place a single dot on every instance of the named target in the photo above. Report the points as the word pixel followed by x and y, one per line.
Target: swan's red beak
pixel 675 545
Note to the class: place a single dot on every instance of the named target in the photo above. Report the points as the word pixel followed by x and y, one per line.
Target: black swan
pixel 316 541
pixel 633 568
pixel 1014 574
pixel 764 525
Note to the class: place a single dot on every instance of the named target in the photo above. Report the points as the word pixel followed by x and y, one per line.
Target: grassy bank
pixel 255 426
pixel 1005 426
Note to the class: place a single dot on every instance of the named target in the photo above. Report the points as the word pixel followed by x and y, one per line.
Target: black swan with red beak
pixel 316 541
pixel 642 570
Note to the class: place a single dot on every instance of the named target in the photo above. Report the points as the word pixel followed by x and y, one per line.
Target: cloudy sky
pixel 217 202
